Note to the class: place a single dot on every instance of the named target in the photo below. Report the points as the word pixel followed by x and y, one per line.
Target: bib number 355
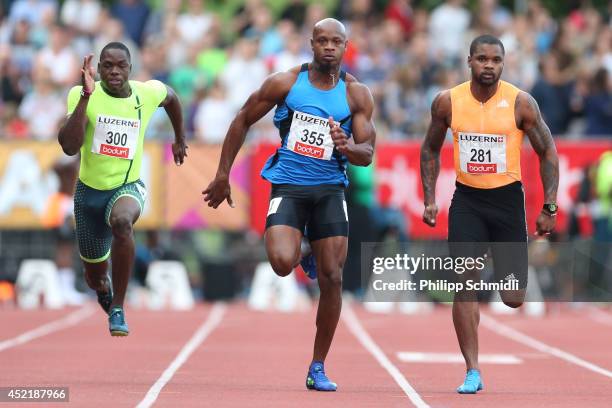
pixel 312 137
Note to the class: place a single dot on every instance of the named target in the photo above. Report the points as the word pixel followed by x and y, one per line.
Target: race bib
pixel 116 137
pixel 309 135
pixel 481 153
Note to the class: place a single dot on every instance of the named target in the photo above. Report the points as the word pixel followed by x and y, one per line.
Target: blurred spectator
pixel 14 127
pixel 492 18
pixel 294 11
pixel 211 59
pixel 188 77
pixel 153 57
pixel 404 107
pixel 159 18
pixel 242 20
pixel 43 107
pixel 542 24
pixel 9 77
pixel 269 35
pixel 244 72
pixel 292 56
pixel 598 106
pixel 82 16
pixel 195 23
pixel 401 12
pixel 552 92
pixel 133 15
pixel 59 58
pixel 447 28
pixel 20 54
pixel 31 11
pixel 213 116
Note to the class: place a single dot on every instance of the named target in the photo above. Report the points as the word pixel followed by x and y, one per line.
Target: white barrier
pixel 38 279
pixel 269 291
pixel 168 285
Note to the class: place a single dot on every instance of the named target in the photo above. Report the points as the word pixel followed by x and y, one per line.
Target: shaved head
pixel 330 24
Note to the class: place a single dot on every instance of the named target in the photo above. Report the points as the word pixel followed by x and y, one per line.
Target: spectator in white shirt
pixel 213 116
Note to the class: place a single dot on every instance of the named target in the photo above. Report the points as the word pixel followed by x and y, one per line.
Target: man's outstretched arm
pixel 430 153
pixel 172 106
pixel 272 91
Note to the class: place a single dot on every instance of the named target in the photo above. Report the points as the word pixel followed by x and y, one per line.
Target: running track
pixel 228 356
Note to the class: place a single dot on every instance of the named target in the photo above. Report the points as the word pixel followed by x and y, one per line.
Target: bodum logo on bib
pixel 307 150
pixel 481 168
pixel 114 151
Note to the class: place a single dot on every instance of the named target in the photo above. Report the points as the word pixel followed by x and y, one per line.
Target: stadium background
pixel 214 54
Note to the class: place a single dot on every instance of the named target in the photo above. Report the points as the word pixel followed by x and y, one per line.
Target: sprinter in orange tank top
pixel 488 118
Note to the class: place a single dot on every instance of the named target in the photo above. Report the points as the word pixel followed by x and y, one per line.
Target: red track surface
pixel 260 359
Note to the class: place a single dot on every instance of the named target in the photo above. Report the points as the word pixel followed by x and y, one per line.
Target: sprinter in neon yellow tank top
pixel 106 123
pixel 488 118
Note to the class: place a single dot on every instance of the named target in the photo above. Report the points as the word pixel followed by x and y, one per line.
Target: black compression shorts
pixel 491 218
pixel 319 211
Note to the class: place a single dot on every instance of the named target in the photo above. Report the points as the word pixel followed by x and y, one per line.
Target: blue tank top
pixel 306 155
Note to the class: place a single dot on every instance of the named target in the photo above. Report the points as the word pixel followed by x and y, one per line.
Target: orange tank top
pixel 487 143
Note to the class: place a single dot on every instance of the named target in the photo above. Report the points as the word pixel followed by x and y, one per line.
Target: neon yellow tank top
pixel 111 154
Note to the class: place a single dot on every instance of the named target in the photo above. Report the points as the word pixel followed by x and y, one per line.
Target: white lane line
pixel 67 321
pixel 528 341
pixel 210 324
pixel 357 329
pixel 600 316
pixel 419 357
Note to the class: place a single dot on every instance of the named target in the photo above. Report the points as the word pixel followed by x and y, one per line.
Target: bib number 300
pixel 116 137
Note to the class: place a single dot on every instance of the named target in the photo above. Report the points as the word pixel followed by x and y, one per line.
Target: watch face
pixel 551 207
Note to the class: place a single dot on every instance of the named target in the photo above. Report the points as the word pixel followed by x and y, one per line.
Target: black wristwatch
pixel 550 209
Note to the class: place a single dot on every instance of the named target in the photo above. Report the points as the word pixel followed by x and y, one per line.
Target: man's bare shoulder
pixel 358 92
pixel 283 78
pixel 277 85
pixel 441 105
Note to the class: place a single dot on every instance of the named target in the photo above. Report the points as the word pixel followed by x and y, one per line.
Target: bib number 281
pixel 480 155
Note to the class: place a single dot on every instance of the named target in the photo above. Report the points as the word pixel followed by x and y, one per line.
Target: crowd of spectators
pixel 405 51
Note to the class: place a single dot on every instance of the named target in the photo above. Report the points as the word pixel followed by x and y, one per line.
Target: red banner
pixel 399 182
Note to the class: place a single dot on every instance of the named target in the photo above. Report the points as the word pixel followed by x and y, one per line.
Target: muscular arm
pixel 172 106
pixel 272 91
pixel 430 149
pixel 530 121
pixel 72 130
pixel 364 133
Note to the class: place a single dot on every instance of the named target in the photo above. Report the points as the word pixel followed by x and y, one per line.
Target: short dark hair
pixel 486 39
pixel 116 45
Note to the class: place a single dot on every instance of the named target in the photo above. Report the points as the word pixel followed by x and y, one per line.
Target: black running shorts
pixel 318 211
pixel 480 219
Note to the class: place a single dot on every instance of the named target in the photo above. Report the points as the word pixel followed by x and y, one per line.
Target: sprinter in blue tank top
pixel 324 117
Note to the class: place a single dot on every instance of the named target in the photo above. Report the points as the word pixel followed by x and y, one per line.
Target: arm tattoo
pixel 430 152
pixel 544 146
